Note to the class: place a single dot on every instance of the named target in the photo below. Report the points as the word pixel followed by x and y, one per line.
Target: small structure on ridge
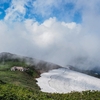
pixel 19 68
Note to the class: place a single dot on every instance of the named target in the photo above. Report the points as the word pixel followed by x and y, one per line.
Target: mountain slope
pixel 92 72
pixel 39 65
pixel 17 85
pixel 19 78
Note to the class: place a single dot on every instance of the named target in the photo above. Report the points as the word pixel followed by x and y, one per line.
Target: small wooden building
pixel 19 68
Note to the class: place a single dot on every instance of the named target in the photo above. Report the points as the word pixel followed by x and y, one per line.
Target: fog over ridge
pixel 61 42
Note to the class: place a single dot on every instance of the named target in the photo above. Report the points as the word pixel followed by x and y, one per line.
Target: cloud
pixel 58 42
pixel 17 10
pixel 38 40
pixel 62 9
pixel 61 42
pixel 65 10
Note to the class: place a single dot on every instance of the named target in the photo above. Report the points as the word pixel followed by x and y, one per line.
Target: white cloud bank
pixel 54 41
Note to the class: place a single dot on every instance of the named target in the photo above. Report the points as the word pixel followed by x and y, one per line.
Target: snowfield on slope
pixel 63 80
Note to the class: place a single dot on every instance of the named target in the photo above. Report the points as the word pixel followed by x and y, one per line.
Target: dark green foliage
pixel 32 72
pixel 1 82
pixel 12 92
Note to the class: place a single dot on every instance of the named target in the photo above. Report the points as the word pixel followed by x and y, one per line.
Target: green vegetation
pixel 24 79
pixel 12 92
pixel 17 85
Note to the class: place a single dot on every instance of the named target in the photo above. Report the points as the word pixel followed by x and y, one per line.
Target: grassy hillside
pixel 17 85
pixel 12 92
pixel 24 79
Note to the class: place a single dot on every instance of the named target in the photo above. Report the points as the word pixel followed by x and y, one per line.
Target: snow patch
pixel 64 80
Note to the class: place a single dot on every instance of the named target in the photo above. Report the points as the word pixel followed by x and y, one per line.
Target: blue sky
pixel 3 7
pixel 58 31
pixel 64 11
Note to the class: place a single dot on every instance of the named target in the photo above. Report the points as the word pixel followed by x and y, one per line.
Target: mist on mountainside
pixel 39 65
pixel 57 39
